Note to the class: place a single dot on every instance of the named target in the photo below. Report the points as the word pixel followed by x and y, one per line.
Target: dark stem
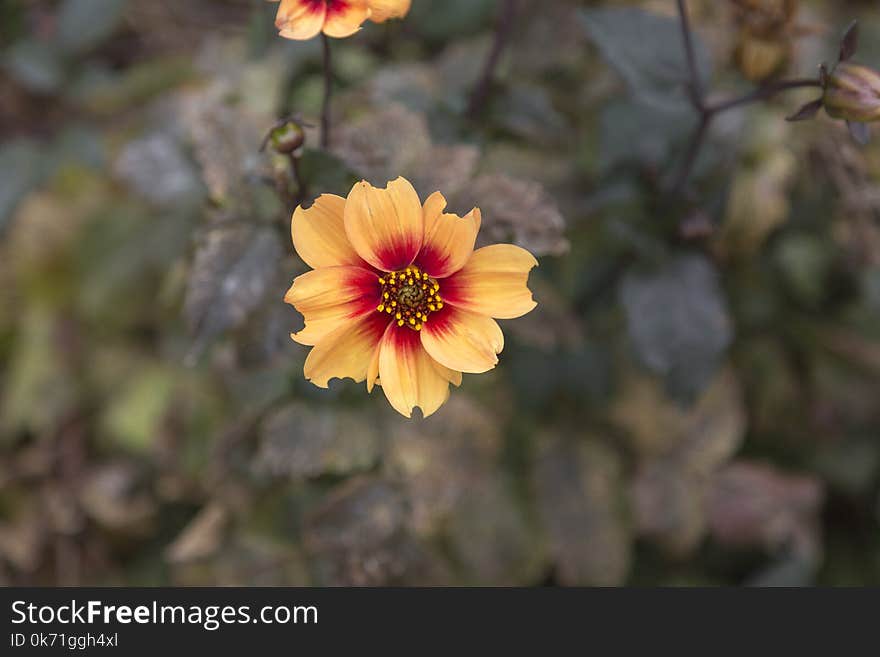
pixel 693 152
pixel 762 93
pixel 328 92
pixel 503 28
pixel 298 178
pixel 696 84
pixel 707 112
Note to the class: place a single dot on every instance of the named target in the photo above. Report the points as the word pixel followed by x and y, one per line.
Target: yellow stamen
pixel 381 307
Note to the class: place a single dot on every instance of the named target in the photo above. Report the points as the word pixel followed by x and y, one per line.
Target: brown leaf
pixel 358 537
pixel 201 537
pixel 301 441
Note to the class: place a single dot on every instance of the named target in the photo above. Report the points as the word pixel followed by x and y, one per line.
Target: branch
pixel 764 92
pixel 696 84
pixel 707 112
pixel 503 28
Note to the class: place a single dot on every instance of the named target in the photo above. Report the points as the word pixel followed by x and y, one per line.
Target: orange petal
pixel 409 375
pixel 344 17
pixel 385 9
pixel 346 352
pixel 493 282
pixel 331 297
pixel 449 239
pixel 463 341
pixel 300 19
pixel 450 375
pixel 385 226
pixel 319 234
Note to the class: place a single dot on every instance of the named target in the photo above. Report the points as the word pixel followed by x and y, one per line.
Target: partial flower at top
pixel 398 296
pixel 305 19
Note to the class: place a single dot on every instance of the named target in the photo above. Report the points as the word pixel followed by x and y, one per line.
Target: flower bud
pixel 852 93
pixel 287 138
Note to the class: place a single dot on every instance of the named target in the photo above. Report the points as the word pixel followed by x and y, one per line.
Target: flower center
pixel 409 296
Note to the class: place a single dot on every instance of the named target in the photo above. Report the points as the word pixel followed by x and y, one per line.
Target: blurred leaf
pixel 202 537
pixel 441 458
pixel 757 505
pixel 157 169
pixel 581 502
pixel 84 24
pixel 134 416
pixel 490 537
pixel 806 262
pixel 298 441
pixel 233 268
pixel 517 211
pixel 37 388
pixel 114 497
pixel 445 168
pixel 227 137
pixel 451 18
pixel 758 204
pixel 358 537
pixel 679 451
pixel 105 92
pixel 22 163
pixel 527 111
pixel 379 146
pixel 678 321
pixel 634 132
pixel 36 65
pixel 245 559
pixel 646 49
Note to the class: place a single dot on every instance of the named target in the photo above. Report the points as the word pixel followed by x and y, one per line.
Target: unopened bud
pixel 287 138
pixel 852 93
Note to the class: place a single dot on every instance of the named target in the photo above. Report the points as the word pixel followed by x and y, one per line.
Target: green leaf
pixel 647 50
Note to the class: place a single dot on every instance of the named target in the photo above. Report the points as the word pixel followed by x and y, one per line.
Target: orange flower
pixel 398 295
pixel 305 19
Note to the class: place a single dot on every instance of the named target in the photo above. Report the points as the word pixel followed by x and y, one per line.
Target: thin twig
pixel 298 177
pixel 696 82
pixel 328 92
pixel 503 28
pixel 762 93
pixel 706 111
pixel 693 152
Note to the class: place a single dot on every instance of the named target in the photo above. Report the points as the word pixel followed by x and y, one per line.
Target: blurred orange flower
pixel 305 19
pixel 398 296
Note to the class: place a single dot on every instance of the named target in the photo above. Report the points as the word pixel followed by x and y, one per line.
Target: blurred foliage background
pixel 695 400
